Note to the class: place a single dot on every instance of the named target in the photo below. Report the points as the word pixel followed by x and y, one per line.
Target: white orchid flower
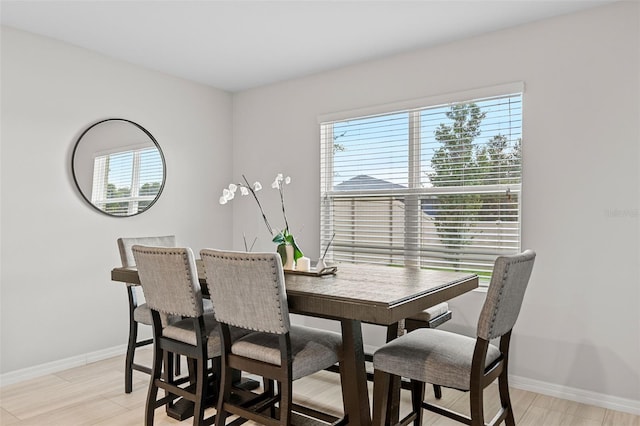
pixel 228 195
pixel 277 181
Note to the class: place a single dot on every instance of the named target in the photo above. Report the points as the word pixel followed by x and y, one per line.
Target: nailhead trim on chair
pixel 274 272
pixel 185 259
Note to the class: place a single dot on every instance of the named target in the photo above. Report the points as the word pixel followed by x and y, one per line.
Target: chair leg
pixel 286 401
pixel 381 383
pixel 213 384
pixel 131 350
pixel 505 399
pixel 226 377
pixel 201 384
pixel 477 406
pixel 437 390
pixel 167 372
pixel 417 396
pixel 152 395
pixel 177 369
pixel 192 368
pixel 269 390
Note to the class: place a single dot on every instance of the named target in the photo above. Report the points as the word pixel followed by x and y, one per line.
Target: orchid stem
pixel 284 213
pixel 266 222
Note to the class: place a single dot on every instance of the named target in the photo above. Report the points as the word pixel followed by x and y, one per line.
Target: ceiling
pixel 237 45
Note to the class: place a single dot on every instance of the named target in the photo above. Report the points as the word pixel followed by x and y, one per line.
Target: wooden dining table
pixel 356 294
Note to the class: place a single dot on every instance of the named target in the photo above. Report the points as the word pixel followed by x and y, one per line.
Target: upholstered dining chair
pixel 455 361
pixel 248 291
pixel 139 313
pixel 169 279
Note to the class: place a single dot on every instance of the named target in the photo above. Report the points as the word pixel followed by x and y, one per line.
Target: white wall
pixel 579 329
pixel 58 301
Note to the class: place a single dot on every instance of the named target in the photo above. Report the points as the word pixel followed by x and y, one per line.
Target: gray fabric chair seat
pixel 142 313
pixel 432 356
pixel 183 331
pixel 432 312
pixel 312 349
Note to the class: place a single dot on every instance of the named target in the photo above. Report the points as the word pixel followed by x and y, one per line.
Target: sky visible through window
pixel 121 168
pixel 378 146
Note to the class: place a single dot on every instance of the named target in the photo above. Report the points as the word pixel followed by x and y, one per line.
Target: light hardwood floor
pixel 94 395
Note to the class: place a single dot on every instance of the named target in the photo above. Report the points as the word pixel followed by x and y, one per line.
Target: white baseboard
pixel 545 388
pixel 578 395
pixel 60 365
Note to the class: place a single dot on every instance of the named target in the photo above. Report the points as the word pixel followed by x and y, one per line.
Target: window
pixel 435 186
pixel 126 182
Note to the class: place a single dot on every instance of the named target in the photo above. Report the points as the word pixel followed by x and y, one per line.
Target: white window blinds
pixel 436 187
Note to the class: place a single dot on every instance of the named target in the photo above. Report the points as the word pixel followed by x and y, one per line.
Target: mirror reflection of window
pixel 118 167
pixel 126 182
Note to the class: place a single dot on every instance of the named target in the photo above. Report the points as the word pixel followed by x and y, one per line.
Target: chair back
pixel 247 289
pixel 505 294
pixel 125 244
pixel 169 279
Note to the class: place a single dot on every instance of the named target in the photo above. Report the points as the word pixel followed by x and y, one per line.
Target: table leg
pixel 393 408
pixel 355 394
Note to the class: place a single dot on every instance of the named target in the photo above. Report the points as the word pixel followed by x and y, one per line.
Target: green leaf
pixel 297 253
pixel 285 238
pixel 279 238
pixel 283 252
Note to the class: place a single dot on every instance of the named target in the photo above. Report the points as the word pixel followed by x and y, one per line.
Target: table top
pixel 370 293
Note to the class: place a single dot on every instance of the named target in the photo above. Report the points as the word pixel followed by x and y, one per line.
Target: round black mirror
pixel 118 167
